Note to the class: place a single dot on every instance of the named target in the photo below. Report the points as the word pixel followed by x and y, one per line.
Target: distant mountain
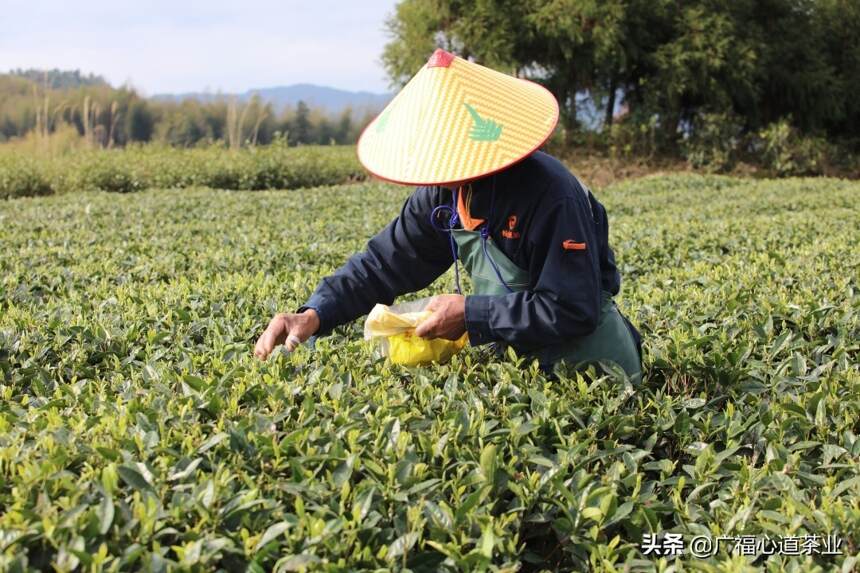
pixel 329 99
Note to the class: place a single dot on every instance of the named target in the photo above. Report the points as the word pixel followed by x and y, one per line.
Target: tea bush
pixel 140 167
pixel 715 142
pixel 138 433
pixel 785 152
pixel 22 177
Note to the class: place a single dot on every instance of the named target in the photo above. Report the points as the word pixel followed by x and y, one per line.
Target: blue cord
pixel 453 219
pixel 485 232
pixel 492 262
pixel 452 222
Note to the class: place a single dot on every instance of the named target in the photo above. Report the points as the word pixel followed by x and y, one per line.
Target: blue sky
pixel 193 45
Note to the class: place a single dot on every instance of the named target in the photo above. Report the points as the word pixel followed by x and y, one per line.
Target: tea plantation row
pixel 137 432
pixel 140 167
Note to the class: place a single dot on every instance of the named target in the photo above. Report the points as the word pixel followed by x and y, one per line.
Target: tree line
pixel 36 103
pixel 670 64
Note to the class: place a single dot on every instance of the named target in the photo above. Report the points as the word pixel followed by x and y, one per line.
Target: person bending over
pixel 533 239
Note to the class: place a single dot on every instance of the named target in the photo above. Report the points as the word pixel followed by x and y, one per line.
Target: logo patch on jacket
pixel 571 245
pixel 510 232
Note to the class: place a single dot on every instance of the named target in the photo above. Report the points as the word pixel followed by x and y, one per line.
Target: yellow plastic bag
pixel 394 329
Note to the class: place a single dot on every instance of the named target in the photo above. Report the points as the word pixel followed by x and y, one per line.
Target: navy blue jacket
pixel 560 235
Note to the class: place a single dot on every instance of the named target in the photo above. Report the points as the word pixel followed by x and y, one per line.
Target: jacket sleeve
pixel 564 297
pixel 405 256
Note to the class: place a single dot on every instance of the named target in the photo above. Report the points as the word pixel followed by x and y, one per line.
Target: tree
pixel 184 125
pixel 60 79
pixel 838 22
pixel 580 43
pixel 300 126
pixel 413 29
pixel 343 132
pixel 140 123
pixel 708 63
pixel 564 44
pixel 763 60
pixel 106 116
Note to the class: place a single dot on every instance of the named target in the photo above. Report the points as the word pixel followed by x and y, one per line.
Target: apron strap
pixel 485 233
pixel 459 212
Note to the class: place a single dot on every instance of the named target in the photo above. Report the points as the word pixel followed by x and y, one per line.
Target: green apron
pixel 611 341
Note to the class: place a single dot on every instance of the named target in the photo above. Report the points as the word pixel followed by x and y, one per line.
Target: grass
pixel 137 432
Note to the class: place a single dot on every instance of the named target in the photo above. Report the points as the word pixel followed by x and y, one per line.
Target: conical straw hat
pixel 456 121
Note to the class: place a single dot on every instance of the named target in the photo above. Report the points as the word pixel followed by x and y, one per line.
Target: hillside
pixel 86 106
pixel 57 79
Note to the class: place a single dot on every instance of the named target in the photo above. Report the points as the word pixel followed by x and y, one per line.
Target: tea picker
pixel 532 238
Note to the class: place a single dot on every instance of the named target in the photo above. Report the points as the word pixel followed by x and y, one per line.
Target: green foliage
pixel 413 26
pixel 705 62
pixel 715 142
pixel 107 172
pixel 301 125
pixel 637 136
pixel 786 152
pixel 139 167
pixel 764 61
pixel 60 79
pixel 22 176
pixel 140 122
pixel 138 433
pixel 117 117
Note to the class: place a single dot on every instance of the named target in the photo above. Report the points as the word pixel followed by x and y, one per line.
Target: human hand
pixel 448 319
pixel 292 329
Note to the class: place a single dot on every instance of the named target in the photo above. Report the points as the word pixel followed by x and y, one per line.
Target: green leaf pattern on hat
pixel 382 122
pixel 484 129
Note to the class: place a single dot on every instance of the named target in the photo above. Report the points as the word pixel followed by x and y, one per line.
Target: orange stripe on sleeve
pixel 571 245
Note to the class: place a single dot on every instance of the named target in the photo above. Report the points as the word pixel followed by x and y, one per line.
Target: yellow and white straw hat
pixel 456 121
